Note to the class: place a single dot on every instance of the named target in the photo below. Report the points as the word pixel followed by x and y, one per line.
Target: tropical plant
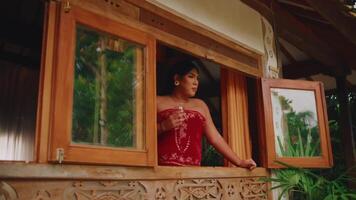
pixel 320 184
pixel 299 147
pixel 305 184
pixel 301 138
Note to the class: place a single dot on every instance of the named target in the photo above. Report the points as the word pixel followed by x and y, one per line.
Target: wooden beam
pixel 297 3
pixel 287 25
pixel 295 32
pixel 306 14
pixel 175 18
pixel 286 53
pixel 335 12
pixel 302 37
pixel 336 40
pixel 176 29
pixel 304 69
pixel 262 8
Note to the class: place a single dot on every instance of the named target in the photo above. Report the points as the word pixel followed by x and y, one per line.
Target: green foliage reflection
pixel 301 133
pixel 104 88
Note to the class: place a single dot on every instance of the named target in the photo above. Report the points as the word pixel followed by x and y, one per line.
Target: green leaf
pixel 300 144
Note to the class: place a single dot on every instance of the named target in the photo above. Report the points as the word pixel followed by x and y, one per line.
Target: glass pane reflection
pixel 108 91
pixel 295 123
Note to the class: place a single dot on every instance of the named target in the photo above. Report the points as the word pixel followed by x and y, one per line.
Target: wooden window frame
pixel 205 44
pixel 323 161
pixel 46 136
pixel 128 14
pixel 62 99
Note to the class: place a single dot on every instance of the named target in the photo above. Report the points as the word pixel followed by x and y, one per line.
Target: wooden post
pixel 345 121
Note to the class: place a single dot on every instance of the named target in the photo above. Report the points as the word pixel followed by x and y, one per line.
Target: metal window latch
pixel 67 7
pixel 66 4
pixel 60 155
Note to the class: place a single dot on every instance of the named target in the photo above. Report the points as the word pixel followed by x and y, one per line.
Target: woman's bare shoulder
pixel 200 104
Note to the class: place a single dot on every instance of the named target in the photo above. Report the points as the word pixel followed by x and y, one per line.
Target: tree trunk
pixel 103 96
pixel 97 110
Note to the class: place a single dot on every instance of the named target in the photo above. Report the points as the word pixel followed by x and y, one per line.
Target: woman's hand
pixel 248 164
pixel 173 121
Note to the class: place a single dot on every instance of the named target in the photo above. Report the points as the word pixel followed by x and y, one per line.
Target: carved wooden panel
pixel 198 189
pixel 7 191
pixel 175 189
pixel 251 188
pixel 130 190
pixel 112 6
pixel 271 64
pixel 42 195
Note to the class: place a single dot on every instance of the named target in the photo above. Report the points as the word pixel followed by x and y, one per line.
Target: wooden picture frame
pixel 296 124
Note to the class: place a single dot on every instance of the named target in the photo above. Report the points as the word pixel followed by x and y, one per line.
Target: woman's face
pixel 189 83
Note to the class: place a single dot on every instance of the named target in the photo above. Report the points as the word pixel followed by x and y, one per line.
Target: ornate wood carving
pixel 42 195
pixel 160 193
pixel 198 189
pixel 252 188
pixel 230 190
pixel 155 189
pixel 112 6
pixel 113 190
pixel 271 65
pixel 7 192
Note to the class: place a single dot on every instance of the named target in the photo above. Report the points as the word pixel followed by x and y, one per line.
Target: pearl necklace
pixel 179 130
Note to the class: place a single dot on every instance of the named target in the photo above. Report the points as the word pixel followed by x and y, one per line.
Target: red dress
pixel 181 146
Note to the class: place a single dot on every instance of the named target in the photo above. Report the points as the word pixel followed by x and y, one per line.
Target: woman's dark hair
pixel 181 69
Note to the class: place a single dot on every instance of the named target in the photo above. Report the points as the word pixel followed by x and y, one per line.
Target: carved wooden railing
pixel 42 181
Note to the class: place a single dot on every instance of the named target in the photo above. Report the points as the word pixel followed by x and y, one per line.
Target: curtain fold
pixel 235 113
pixel 18 104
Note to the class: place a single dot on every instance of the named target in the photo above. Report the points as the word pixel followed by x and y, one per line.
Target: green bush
pixel 307 184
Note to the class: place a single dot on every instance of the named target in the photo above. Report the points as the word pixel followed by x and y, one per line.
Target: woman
pixel 182 120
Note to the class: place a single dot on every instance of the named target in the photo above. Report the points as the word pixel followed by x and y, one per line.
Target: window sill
pixel 13 170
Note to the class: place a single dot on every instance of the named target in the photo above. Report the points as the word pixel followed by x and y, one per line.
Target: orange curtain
pixel 235 112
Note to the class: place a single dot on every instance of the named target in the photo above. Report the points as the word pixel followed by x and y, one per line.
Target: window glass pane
pixel 295 123
pixel 108 91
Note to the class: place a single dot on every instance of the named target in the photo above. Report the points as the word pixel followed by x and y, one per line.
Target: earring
pixel 176 83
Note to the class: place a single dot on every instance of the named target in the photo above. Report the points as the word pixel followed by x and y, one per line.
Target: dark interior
pixel 20 57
